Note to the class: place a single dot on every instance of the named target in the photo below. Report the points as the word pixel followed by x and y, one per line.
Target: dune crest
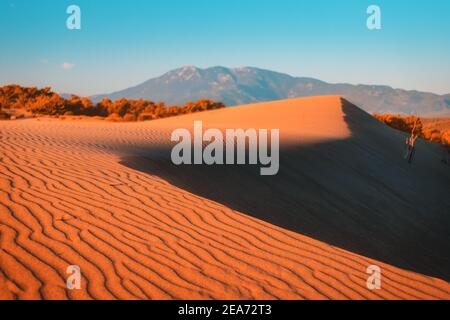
pixel 103 196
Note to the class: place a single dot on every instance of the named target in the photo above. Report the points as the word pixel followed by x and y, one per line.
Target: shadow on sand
pixel 357 194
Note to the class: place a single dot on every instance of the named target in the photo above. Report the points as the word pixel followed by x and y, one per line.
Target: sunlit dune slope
pixel 105 197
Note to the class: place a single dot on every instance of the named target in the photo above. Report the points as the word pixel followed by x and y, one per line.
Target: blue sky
pixel 123 43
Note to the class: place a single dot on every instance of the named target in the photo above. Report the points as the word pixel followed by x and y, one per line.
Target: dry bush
pixel 114 117
pixel 432 135
pixel 129 117
pixel 4 116
pixel 406 124
pixel 146 117
pixel 445 138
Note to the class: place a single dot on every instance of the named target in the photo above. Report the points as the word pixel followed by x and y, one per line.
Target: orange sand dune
pixel 105 197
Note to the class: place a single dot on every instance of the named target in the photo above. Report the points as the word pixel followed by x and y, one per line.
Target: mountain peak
pixel 185 73
pixel 189 68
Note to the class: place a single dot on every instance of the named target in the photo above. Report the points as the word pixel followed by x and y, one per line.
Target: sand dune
pixel 105 197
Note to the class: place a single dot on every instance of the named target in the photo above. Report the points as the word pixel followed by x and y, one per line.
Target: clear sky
pixel 125 42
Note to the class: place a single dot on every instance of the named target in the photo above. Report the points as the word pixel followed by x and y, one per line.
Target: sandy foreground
pixel 104 196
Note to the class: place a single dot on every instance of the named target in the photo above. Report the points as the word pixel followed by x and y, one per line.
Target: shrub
pixel 129 117
pixel 145 117
pixel 445 138
pixel 4 116
pixel 114 117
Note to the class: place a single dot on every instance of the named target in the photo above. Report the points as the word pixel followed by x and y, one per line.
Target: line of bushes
pixel 408 123
pixel 46 102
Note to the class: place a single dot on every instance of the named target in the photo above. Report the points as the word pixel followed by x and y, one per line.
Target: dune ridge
pixel 66 198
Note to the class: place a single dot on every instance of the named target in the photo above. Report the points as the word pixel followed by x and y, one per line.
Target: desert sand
pixel 104 196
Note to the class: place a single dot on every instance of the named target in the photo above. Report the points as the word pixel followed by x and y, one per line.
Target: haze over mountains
pixel 249 85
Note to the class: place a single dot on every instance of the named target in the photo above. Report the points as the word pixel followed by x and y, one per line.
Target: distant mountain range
pixel 248 85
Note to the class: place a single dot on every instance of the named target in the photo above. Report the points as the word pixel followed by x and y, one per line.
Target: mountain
pixel 248 85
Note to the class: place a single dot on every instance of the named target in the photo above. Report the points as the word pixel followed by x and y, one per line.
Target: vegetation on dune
pixel 408 123
pixel 46 102
pixel 3 115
